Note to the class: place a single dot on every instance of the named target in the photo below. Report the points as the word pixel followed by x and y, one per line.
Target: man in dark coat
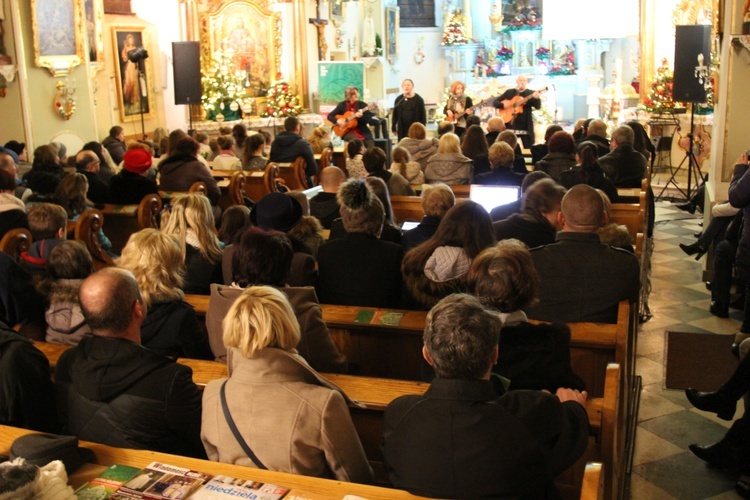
pixel 89 165
pixel 501 162
pixel 597 133
pixel 112 390
pixel 115 143
pixel 581 278
pixel 324 205
pixel 624 166
pixel 360 111
pixel 27 395
pixel 523 123
pixel 290 145
pixel 460 440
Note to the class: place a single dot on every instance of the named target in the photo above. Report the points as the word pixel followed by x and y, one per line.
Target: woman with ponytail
pixel 589 172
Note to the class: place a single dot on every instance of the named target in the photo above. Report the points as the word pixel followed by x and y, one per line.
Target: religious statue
pixel 369 43
pixel 496 18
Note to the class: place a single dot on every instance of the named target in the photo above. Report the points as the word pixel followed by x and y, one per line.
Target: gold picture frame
pixel 129 91
pixel 391 33
pixel 93 18
pixel 253 34
pixel 58 35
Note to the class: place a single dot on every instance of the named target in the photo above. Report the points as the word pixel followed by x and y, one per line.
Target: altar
pixel 271 125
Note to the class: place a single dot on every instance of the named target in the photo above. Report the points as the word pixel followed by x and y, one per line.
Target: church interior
pixel 70 70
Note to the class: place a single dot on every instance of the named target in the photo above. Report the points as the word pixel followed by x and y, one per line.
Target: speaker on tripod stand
pixel 692 50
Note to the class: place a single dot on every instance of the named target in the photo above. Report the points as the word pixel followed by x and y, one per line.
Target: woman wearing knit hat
pixel 358 268
pixel 132 183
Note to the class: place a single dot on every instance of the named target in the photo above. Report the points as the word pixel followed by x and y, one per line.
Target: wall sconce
pixel 65 99
pixel 8 71
pixel 702 72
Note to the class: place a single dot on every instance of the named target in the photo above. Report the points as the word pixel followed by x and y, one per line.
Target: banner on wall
pixel 334 77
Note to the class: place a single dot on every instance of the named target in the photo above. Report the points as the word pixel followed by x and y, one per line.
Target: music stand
pixel 692 168
pixel 137 56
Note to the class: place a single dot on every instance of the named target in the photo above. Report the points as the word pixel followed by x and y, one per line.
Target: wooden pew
pixel 631 215
pixel 124 220
pixel 15 242
pixel 294 174
pixel 235 191
pixel 258 184
pixel 88 224
pixel 375 395
pixel 301 486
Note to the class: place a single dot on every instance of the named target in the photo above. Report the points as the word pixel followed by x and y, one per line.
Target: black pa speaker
pixel 186 60
pixel 690 41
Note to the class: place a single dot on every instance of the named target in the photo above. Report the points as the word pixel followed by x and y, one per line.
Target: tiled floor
pixel 663 468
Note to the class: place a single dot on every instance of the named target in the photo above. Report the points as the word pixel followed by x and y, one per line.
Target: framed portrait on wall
pixel 93 12
pixel 417 13
pixel 58 35
pixel 252 35
pixel 391 32
pixel 133 79
pixel 337 9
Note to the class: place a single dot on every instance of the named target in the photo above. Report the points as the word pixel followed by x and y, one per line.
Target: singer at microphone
pixel 408 109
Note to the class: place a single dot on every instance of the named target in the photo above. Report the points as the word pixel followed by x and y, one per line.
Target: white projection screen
pixel 586 19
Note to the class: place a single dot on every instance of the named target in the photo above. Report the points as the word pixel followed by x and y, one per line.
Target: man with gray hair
pixel 460 439
pixel 624 166
pixel 582 279
pixel 112 390
pixel 597 133
pixel 89 165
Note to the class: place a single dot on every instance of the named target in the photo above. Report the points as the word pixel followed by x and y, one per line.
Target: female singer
pixel 408 109
pixel 458 107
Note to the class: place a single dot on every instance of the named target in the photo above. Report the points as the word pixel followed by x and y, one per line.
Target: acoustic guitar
pixel 467 111
pixel 350 120
pixel 513 107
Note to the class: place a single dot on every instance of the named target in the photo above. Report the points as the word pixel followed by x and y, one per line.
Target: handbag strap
pixel 230 421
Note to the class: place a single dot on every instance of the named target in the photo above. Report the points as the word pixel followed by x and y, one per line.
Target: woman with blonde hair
pixel 170 327
pixel 297 421
pixel 419 146
pixel 449 165
pixel 319 139
pixel 403 164
pixel 191 221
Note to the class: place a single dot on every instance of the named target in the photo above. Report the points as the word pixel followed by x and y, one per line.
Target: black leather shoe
pixel 736 349
pixel 743 488
pixel 687 207
pixel 698 234
pixel 737 302
pixel 709 285
pixel 719 309
pixel 718 455
pixel 715 402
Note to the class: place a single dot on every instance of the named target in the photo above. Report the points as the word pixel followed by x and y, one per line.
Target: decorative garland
pixel 64 102
pixel 419 57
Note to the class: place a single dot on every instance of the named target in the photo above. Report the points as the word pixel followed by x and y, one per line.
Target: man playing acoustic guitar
pixel 518 118
pixel 351 117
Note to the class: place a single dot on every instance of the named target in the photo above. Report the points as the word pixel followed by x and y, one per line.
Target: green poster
pixel 334 77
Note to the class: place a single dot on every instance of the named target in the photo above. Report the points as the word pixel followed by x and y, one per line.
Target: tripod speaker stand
pixel 693 169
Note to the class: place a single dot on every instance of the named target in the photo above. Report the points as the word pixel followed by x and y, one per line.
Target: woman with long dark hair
pixel 589 172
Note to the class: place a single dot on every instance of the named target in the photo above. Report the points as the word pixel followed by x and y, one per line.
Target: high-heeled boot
pixel 693 249
pixel 715 402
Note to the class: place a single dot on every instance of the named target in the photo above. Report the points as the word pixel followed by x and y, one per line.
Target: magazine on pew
pixel 107 483
pixel 162 481
pixel 221 487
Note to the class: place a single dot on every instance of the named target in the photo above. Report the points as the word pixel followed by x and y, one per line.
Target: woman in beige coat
pixel 288 416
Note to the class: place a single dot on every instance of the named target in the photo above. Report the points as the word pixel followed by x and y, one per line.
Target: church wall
pixel 10 105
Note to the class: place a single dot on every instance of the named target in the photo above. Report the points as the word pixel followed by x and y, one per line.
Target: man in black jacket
pixel 460 440
pixel 324 206
pixel 89 165
pixel 112 390
pixel 290 145
pixel 358 110
pixel 624 166
pixel 522 124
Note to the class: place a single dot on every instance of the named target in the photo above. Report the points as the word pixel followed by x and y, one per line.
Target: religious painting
pixel 337 10
pixel 58 42
pixel 94 13
pixel 417 13
pixel 133 92
pixel 521 12
pixel 251 36
pixel 391 32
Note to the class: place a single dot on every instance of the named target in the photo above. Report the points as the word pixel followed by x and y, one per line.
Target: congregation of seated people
pixel 269 266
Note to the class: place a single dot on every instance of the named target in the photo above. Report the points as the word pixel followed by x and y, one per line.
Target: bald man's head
pixel 87 161
pixel 331 178
pixel 495 124
pixel 108 299
pixel 8 164
pixel 582 210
